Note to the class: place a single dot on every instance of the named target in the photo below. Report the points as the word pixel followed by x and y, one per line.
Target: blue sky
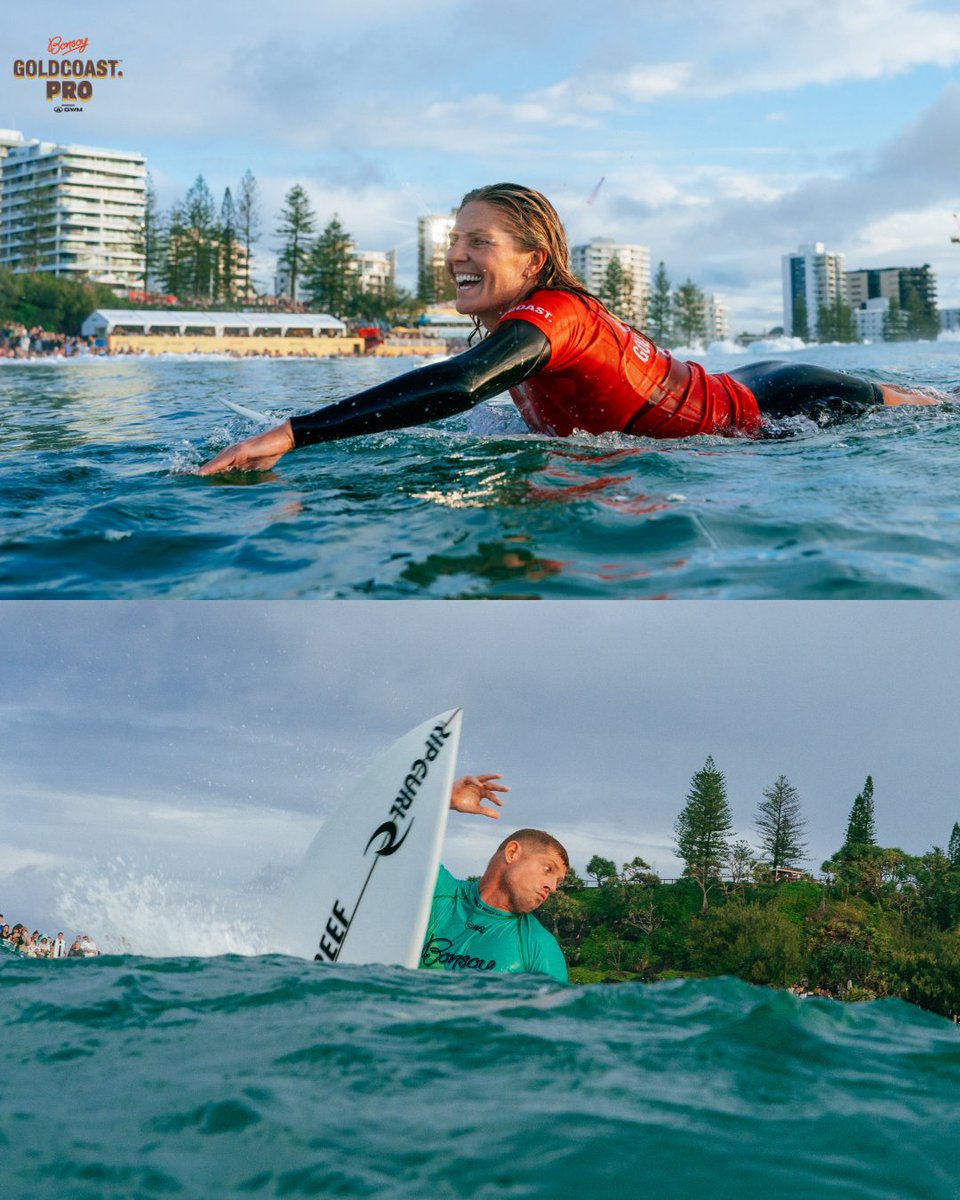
pixel 725 136
pixel 202 744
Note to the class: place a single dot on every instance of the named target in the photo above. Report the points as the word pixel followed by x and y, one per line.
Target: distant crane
pixel 596 192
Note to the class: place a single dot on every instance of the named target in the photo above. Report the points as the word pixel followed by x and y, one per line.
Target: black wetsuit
pixel 786 389
pixel 515 351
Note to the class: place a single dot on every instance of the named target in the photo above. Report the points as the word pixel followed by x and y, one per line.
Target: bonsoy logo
pixel 68 76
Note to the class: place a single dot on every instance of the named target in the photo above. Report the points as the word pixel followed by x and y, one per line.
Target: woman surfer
pixel 567 362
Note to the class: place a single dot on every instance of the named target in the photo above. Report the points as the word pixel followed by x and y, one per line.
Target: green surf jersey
pixel 464 934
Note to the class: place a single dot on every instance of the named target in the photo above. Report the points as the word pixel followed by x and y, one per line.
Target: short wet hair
pixel 537 838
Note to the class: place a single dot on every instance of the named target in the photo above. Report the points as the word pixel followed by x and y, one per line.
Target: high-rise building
pixel 591 261
pixel 73 211
pixel 812 279
pixel 717 320
pixel 376 270
pixel 433 238
pixel 910 287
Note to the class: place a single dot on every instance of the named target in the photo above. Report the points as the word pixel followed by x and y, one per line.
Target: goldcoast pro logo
pixel 391 833
pixel 67 78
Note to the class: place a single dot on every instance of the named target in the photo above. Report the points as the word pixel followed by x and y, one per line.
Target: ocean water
pixel 99 496
pixel 129 1077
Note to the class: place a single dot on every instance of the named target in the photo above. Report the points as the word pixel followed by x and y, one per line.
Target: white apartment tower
pixel 376 270
pixel 813 278
pixel 73 211
pixel 433 238
pixel 591 261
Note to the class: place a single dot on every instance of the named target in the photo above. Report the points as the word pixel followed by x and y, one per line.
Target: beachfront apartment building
pixel 813 278
pixel 590 261
pixel 376 270
pixel 717 320
pixel 913 288
pixel 73 211
pixel 433 237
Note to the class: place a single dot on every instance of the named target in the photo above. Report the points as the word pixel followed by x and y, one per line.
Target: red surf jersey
pixel 602 375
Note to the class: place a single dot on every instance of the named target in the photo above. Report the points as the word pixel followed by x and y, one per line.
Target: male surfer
pixel 489 926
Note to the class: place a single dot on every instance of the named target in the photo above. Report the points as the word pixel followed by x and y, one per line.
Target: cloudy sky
pixel 725 136
pixel 198 746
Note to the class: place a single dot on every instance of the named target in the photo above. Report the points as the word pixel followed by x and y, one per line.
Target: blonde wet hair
pixel 534 225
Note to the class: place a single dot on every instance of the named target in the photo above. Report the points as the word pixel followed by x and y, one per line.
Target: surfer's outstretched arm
pixel 514 352
pixel 470 791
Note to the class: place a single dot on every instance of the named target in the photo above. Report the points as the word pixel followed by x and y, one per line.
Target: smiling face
pixel 485 261
pixel 521 876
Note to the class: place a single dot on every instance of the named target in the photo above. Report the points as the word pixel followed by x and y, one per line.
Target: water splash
pixel 129 911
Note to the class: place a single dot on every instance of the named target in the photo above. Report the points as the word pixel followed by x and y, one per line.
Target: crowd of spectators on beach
pixel 42 945
pixel 17 341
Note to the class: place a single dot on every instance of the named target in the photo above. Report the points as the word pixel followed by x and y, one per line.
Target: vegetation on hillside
pixel 878 922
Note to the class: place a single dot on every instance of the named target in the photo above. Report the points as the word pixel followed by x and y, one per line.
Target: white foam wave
pixel 129 912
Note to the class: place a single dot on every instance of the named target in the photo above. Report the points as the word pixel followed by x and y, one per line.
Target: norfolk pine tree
pixel 331 276
pixel 690 313
pixel 248 223
pixel 660 308
pixel 861 834
pixel 780 825
pixel 953 846
pixel 702 830
pixel 297 223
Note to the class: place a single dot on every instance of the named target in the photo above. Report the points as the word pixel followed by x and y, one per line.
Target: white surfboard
pixel 363 891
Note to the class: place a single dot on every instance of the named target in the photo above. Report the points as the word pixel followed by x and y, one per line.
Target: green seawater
pixel 99 496
pixel 265 1076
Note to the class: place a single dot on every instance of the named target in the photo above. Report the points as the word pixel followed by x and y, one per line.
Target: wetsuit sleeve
pixel 512 353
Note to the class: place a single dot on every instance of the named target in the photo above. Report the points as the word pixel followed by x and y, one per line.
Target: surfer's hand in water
pixel 470 791
pixel 255 454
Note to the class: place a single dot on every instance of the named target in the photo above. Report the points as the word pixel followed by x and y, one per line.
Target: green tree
pixel 201 239
pixel 297 223
pixel 617 291
pixel 175 271
pixel 227 257
pixel 758 944
pixel 953 847
pixel 843 953
pixel 637 871
pixel 603 870
pixel 702 830
pixel 740 863
pixel 331 274
pixel 248 224
pixel 836 323
pixel 660 308
pixel 861 832
pixel 921 318
pixel 57 305
pixel 894 322
pixel 690 313
pixel 780 825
